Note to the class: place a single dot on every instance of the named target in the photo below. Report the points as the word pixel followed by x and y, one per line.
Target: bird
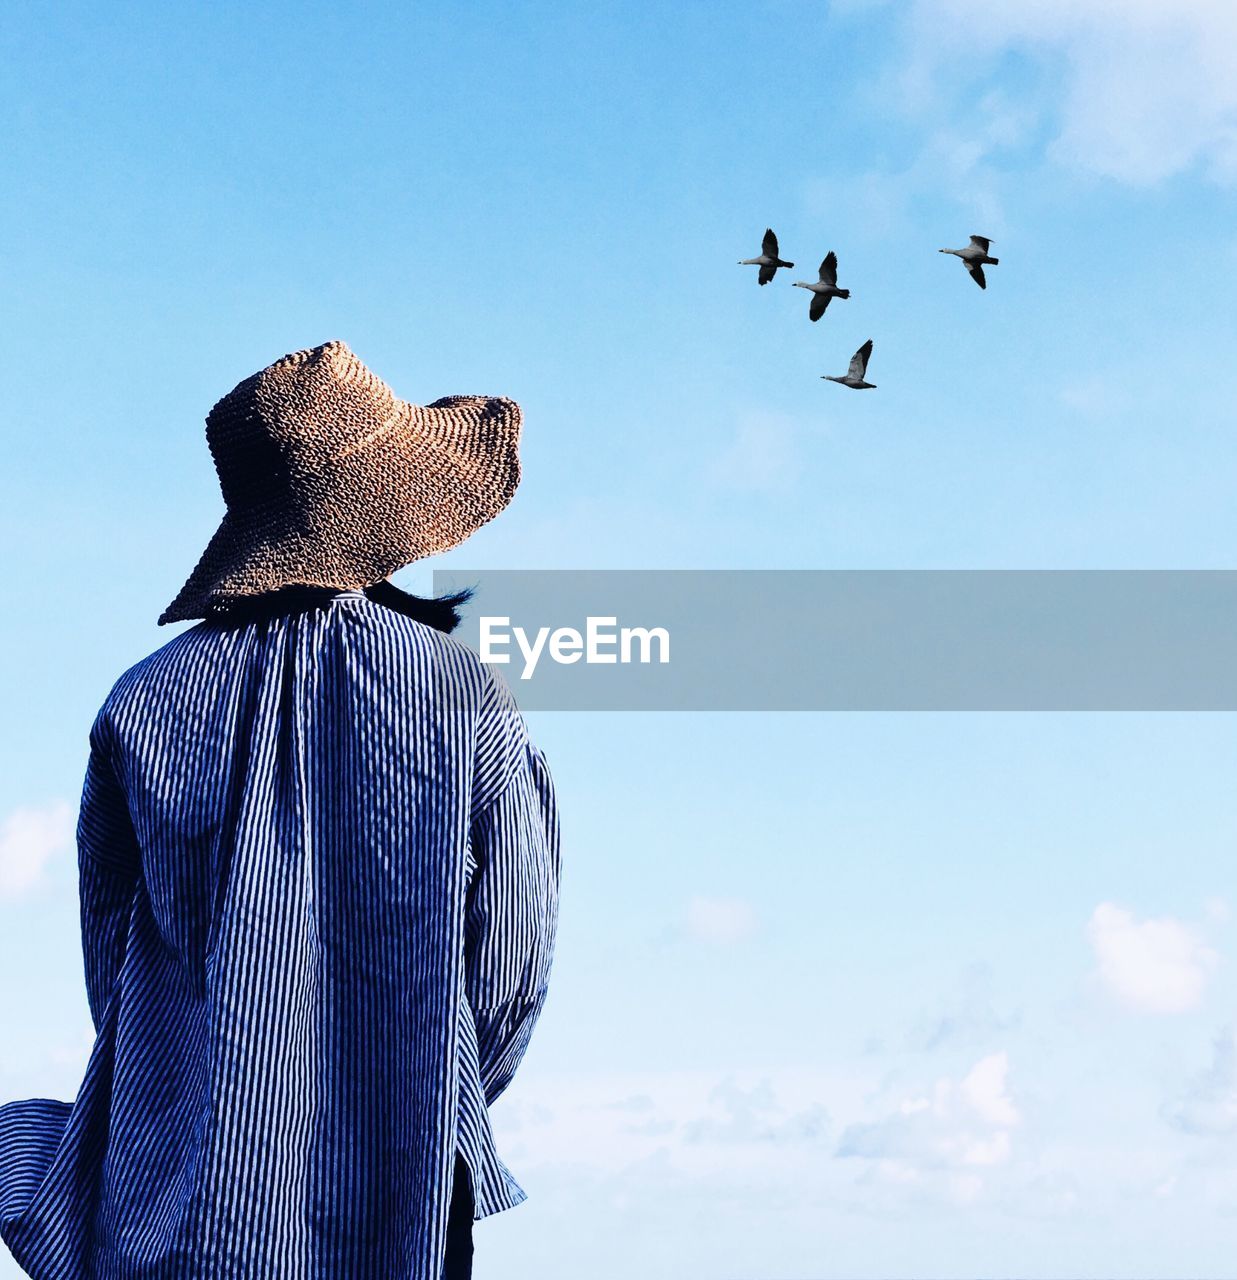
pixel 824 289
pixel 768 262
pixel 858 369
pixel 974 256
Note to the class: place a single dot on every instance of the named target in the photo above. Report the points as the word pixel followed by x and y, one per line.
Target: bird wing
pixel 817 308
pixel 829 269
pixel 766 273
pixel 977 273
pixel 981 242
pixel 859 361
pixel 769 244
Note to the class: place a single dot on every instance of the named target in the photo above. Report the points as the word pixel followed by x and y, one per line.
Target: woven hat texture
pixel 331 480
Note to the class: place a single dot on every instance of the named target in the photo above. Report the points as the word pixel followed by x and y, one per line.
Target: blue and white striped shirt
pixel 319 868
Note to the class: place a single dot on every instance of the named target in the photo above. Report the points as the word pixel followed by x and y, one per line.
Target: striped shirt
pixel 319 871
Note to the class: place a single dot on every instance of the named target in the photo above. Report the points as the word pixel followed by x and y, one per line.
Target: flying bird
pixel 858 370
pixel 974 256
pixel 825 289
pixel 768 262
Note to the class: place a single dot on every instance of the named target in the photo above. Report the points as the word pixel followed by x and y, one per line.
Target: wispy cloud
pixel 1208 1105
pixel 1217 910
pixel 1099 395
pixel 761 456
pixel 721 920
pixel 703 1120
pixel 1157 965
pixel 968 1018
pixel 30 839
pixel 956 154
pixel 754 1115
pixel 1141 90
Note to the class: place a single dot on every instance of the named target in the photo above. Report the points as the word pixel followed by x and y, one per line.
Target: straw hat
pixel 331 480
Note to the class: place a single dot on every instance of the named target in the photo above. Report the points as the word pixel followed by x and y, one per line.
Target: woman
pixel 319 870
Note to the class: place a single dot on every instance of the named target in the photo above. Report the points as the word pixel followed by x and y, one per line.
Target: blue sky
pixel 835 995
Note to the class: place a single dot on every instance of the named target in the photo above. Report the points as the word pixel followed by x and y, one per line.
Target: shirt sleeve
pixel 108 863
pixel 511 916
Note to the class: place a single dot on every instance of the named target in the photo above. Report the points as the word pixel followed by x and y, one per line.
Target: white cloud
pixel 1209 1104
pixel 984 1089
pixel 1146 89
pixel 1155 966
pixel 29 839
pixel 960 1125
pixel 720 920
pixel 739 1144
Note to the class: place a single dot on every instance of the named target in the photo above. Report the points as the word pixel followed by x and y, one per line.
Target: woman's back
pixel 319 885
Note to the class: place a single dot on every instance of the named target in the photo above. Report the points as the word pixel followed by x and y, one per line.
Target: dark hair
pixel 439 612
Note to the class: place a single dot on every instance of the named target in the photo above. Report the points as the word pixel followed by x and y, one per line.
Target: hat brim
pixel 421 483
